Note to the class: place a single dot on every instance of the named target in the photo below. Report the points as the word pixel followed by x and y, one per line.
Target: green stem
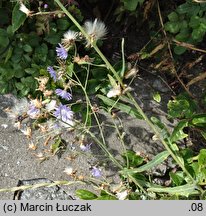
pixel 110 67
pixel 102 145
pixel 121 140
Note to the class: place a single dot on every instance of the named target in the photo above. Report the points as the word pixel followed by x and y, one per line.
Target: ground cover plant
pixel 52 55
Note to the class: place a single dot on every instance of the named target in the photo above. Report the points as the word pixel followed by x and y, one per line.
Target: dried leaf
pixel 156 49
pixel 148 8
pixel 47 141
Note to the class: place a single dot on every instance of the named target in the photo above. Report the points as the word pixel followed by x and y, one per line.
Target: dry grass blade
pixel 193 63
pixel 157 49
pixel 189 65
pixel 25 187
pixel 199 1
pixel 200 77
pixel 188 46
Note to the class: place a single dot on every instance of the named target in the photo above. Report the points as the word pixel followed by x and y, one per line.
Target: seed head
pixel 69 38
pixel 96 30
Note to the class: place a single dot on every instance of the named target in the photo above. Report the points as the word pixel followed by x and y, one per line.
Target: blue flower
pixel 65 114
pixel 61 52
pixel 52 73
pixel 63 94
pixel 33 112
pixel 96 172
pixel 86 147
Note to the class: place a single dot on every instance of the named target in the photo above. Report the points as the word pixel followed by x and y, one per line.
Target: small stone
pixel 4 125
pixel 160 86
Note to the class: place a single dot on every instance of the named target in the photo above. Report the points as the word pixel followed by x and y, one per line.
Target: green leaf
pixel 4 40
pixel 106 197
pixel 187 154
pixel 172 27
pixel 134 196
pixel 132 4
pixel 70 69
pixel 19 85
pixel 85 194
pixel 185 190
pixel 203 24
pixel 183 36
pixel 33 39
pixel 189 8
pixel 173 17
pixel 18 17
pixel 124 108
pixel 93 86
pixel 63 24
pixel 19 73
pixel 178 133
pixel 158 159
pixel 179 50
pixel 177 178
pixel 27 48
pixel 112 81
pixel 202 158
pixel 157 97
pixel 10 73
pixel 41 52
pixel 56 146
pixel 134 159
pixel 194 22
pixel 99 73
pixel 197 34
pixel 24 91
pixel 199 120
pixel 9 54
pixel 30 70
pixel 179 108
pixel 164 131
pixel 53 38
pixel 203 133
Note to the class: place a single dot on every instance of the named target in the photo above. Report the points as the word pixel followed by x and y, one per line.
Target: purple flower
pixel 33 112
pixel 63 94
pixel 86 147
pixel 61 52
pixel 65 114
pixel 46 6
pixel 52 73
pixel 96 172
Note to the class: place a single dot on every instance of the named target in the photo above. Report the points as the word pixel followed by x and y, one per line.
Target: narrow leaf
pixel 158 159
pixel 85 194
pixel 184 190
pixel 112 81
pixel 124 108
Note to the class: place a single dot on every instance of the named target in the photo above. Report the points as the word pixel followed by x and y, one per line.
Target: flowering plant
pixel 53 110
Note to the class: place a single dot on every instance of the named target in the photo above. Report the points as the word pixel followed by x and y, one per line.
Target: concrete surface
pixel 17 162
